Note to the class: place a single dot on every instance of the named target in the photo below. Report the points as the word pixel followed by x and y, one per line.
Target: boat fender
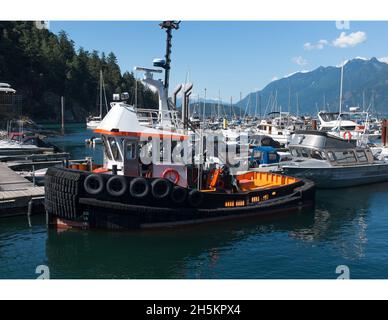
pixel 179 195
pixel 117 186
pixel 195 198
pixel 348 135
pixel 139 188
pixel 94 184
pixel 172 175
pixel 160 188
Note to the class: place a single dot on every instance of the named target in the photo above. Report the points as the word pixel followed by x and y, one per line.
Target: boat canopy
pixel 319 140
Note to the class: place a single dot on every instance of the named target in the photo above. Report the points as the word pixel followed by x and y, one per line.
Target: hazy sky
pixel 232 57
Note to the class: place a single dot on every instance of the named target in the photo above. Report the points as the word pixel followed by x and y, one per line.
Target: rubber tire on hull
pixel 113 182
pixel 90 180
pixel 160 189
pixel 139 188
pixel 179 195
pixel 195 198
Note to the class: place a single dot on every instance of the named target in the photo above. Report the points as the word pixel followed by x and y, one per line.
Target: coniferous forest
pixel 43 66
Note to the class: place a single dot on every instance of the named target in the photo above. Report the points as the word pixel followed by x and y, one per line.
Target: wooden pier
pixel 18 195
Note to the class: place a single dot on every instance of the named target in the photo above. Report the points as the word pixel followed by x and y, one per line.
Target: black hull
pixel 68 205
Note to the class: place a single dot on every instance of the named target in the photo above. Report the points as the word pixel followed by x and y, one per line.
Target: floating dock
pixel 18 195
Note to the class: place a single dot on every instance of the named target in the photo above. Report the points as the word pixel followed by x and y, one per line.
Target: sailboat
pixel 94 122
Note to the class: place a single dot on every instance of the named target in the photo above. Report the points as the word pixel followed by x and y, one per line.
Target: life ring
pixel 348 135
pixel 171 175
pixel 117 186
pixel 160 188
pixel 94 184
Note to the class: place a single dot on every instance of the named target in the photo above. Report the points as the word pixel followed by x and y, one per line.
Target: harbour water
pixel 348 227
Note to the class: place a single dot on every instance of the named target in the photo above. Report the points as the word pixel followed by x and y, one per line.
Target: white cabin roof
pixel 122 120
pixel 7 90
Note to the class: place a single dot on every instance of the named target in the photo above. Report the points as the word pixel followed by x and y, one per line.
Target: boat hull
pixel 341 177
pixel 68 206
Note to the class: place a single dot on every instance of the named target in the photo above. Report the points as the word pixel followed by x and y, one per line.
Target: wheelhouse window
pixel 361 156
pixel 305 153
pixel 331 156
pixel 130 151
pixel 115 149
pixel 295 153
pixel 345 157
pixel 315 154
pixel 272 156
pixel 106 148
pixel 257 154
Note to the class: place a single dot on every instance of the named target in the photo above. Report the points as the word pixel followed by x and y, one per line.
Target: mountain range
pixel 365 85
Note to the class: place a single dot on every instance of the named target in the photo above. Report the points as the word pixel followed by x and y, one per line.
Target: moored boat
pixel 332 162
pixel 148 181
pixel 86 200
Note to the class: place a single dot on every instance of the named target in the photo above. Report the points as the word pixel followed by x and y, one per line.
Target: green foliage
pixel 43 67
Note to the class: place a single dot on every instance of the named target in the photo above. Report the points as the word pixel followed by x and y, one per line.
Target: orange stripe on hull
pixel 140 134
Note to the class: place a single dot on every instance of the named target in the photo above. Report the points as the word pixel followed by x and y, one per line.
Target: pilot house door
pixel 131 164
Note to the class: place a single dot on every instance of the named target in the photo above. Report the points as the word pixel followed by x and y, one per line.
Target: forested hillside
pixel 43 66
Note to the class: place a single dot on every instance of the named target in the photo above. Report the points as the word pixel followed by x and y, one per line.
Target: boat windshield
pixel 106 148
pixel 307 153
pixel 115 149
pixel 333 116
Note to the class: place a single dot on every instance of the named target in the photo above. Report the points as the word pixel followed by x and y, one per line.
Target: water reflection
pixel 339 221
pixel 341 216
pixel 157 254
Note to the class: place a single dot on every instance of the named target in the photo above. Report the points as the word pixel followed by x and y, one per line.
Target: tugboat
pixel 134 189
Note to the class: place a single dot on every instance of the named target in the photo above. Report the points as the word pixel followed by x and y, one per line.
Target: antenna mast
pixel 168 26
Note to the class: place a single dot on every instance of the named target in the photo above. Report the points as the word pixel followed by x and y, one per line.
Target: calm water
pixel 348 227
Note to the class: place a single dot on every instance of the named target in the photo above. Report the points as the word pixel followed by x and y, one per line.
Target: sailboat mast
pixel 204 108
pixel 341 89
pixel 219 104
pixel 257 103
pixel 101 94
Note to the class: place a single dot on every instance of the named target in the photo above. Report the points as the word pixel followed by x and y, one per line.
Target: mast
pixel 101 94
pixel 231 107
pixel 324 101
pixel 240 106
pixel 341 89
pixel 219 104
pixel 168 26
pixel 136 93
pixel 257 103
pixel 204 108
pixel 289 100
pixel 363 100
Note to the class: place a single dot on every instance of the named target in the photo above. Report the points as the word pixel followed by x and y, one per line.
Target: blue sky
pixel 231 57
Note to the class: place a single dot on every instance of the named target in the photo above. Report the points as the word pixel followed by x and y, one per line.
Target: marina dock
pixel 17 195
